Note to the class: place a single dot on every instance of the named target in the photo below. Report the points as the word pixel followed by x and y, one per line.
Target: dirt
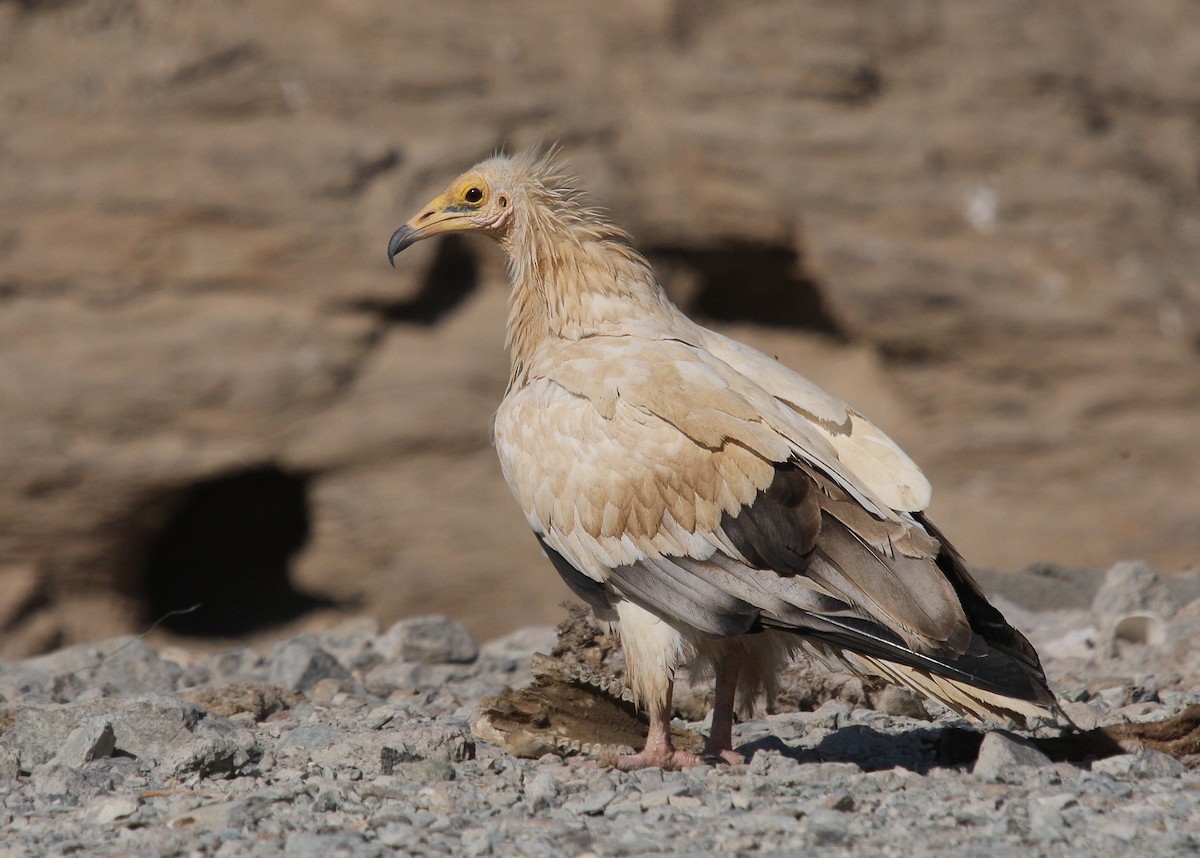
pixel 979 223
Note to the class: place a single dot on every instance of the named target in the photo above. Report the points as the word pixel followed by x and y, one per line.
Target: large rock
pixel 1132 586
pixel 1001 753
pixel 429 640
pixel 201 344
pixel 177 735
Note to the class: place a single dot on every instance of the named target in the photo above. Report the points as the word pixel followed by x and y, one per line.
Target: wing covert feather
pixel 867 453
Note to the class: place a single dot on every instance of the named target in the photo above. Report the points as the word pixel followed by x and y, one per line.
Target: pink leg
pixel 659 752
pixel 720 737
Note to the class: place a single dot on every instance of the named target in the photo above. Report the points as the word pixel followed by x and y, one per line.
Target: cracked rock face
pixel 216 393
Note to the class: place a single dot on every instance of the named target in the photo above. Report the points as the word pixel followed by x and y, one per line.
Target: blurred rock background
pixel 977 221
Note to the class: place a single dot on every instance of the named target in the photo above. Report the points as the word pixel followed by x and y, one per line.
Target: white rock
pixel 542 789
pixel 522 643
pixel 1045 821
pixel 1077 643
pixel 10 763
pixel 1132 586
pixel 429 640
pixel 109 808
pixel 1002 751
pixel 298 664
pixel 91 740
pixel 1145 765
pixel 1184 629
pixel 1085 716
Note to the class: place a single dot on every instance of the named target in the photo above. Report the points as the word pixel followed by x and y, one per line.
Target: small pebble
pixel 594 803
pixel 10 763
pixel 90 740
pixel 109 808
pixel 299 664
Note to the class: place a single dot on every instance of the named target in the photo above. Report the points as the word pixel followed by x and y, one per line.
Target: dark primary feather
pixel 779 529
pixel 985 619
pixel 981 666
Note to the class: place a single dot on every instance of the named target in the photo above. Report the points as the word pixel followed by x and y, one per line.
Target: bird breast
pixel 607 481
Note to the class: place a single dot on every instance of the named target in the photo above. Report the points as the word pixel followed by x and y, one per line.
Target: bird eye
pixel 473 195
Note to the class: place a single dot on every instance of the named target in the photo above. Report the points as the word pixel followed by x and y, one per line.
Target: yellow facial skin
pixel 469 204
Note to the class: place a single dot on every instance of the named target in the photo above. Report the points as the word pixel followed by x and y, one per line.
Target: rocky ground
pixel 358 742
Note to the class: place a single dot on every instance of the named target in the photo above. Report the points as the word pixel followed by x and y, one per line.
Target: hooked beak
pixel 401 239
pixel 441 215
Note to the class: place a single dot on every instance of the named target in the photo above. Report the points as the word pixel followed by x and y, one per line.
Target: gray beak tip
pixel 400 239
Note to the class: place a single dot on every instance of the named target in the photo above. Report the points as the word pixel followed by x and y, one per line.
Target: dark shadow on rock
pixel 918 750
pixel 925 748
pixel 747 282
pixel 228 547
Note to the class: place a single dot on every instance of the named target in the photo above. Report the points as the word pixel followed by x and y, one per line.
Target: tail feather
pixel 963 697
pixel 982 682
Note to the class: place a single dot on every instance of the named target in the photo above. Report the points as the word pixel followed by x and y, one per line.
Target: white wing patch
pixel 869 457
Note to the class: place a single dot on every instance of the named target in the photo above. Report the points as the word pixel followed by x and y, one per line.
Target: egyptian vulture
pixel 711 503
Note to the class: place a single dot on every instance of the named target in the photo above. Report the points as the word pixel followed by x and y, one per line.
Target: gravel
pixel 357 743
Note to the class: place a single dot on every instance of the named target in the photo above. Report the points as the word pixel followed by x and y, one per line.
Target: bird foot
pixel 669 759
